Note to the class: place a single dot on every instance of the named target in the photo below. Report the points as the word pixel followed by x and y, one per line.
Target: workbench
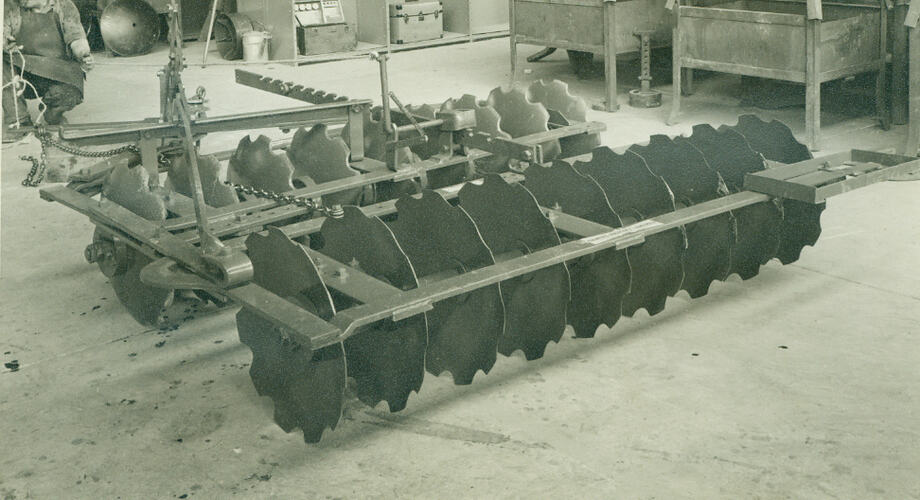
pixel 803 42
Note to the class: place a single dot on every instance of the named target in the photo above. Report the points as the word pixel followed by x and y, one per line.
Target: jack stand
pixel 645 97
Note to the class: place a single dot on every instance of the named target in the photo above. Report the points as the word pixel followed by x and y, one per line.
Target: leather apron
pixel 44 50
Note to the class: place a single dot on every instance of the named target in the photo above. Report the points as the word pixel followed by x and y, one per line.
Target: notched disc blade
pixel 801 221
pixel 511 223
pixel 565 109
pixel 521 117
pixel 801 228
pixel 323 159
pixel 307 387
pixel 555 96
pixel 633 190
pixel 708 256
pixel 759 229
pixel 727 152
pixel 684 169
pixel 601 280
pixel 758 226
pixel 709 241
pixel 386 359
pixel 146 304
pixel 463 331
pixel 216 193
pixel 774 140
pixel 635 193
pixel 128 187
pixel 253 164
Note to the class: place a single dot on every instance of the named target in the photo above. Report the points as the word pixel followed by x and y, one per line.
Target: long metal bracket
pixel 287 89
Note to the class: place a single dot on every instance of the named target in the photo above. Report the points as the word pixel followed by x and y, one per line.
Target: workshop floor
pixel 800 383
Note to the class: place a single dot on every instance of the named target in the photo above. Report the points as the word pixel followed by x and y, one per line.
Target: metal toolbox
pixel 325 39
pixel 416 21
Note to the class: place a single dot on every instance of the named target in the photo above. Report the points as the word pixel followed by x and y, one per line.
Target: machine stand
pixel 645 97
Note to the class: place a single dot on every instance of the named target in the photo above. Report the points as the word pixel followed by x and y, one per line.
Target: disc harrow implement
pixel 506 262
pixel 378 245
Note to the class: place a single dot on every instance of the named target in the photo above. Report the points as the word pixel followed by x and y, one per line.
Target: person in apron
pixel 50 50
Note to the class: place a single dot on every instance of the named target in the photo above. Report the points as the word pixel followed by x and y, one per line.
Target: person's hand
pixel 81 52
pixel 87 63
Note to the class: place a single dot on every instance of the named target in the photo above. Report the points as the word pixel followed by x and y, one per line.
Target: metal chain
pixel 31 180
pixel 334 211
pixel 37 173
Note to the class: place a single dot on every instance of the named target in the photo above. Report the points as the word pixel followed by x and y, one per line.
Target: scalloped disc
pixel 128 187
pixel 758 226
pixel 216 193
pixel 801 221
pixel 555 96
pixel 386 359
pixel 145 303
pixel 255 165
pixel 635 193
pixel 708 256
pixel 322 158
pixel 511 222
pixel 520 117
pixel 601 280
pixel 440 239
pixel 307 387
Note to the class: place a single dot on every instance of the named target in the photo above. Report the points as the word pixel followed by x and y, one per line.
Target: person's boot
pixel 55 115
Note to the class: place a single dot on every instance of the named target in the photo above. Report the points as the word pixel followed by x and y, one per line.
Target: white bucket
pixel 255 45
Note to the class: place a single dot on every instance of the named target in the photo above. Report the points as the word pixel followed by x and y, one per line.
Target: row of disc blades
pixel 429 239
pixel 315 156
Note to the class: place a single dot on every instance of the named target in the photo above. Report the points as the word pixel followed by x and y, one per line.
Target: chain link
pixel 334 211
pixel 37 173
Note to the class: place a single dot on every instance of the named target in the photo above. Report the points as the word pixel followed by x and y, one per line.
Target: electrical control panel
pixel 318 12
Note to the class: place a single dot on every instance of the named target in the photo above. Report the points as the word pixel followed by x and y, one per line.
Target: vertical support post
pixel 686 82
pixel 210 245
pixel 676 63
pixel 469 16
pixel 207 40
pixel 513 38
pixel 899 65
pixel 812 84
pixel 356 133
pixel 686 77
pixel 384 90
pixel 610 55
pixel 148 149
pixel 913 134
pixel 881 81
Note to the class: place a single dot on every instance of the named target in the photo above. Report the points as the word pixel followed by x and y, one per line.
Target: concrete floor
pixel 800 383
